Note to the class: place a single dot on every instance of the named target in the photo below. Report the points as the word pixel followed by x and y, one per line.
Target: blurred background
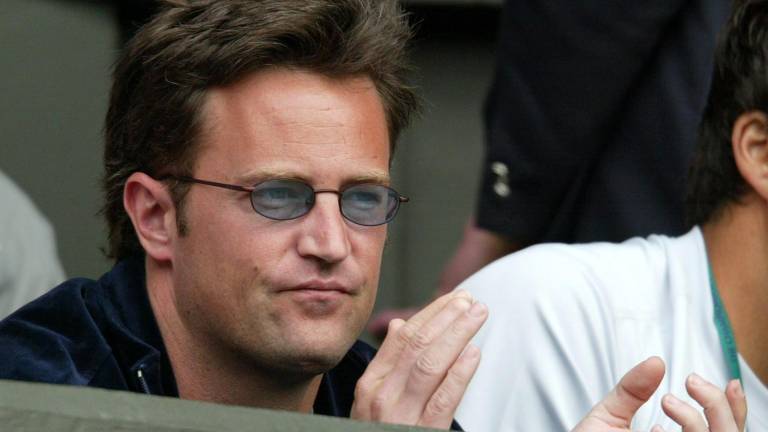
pixel 55 60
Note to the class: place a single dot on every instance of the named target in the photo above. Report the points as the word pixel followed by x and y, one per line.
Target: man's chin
pixel 305 365
pixel 310 346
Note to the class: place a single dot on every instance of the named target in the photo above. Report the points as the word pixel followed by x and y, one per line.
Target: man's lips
pixel 317 299
pixel 320 286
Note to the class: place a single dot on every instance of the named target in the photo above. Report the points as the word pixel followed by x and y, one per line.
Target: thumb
pixel 634 389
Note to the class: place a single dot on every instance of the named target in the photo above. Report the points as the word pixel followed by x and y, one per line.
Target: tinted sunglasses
pixel 367 204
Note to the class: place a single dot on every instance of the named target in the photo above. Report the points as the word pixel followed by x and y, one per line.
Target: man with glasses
pixel 248 146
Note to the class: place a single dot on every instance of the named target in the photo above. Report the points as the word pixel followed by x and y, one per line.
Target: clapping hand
pixel 724 411
pixel 424 365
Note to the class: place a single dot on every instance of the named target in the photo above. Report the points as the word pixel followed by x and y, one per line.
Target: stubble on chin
pixel 277 338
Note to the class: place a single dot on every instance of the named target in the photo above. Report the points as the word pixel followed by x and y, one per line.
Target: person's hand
pixel 424 365
pixel 725 412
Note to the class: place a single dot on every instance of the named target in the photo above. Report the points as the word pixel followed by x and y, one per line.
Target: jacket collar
pixel 138 345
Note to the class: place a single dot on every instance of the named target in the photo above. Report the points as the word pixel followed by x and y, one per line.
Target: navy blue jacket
pixel 103 334
pixel 590 124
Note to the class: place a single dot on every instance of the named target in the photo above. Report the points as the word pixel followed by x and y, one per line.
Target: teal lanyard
pixel 723 324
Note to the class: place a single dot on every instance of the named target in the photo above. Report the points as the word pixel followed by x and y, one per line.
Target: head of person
pixel 285 95
pixel 732 152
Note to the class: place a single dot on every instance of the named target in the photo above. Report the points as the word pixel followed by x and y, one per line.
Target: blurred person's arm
pixel 29 263
pixel 478 247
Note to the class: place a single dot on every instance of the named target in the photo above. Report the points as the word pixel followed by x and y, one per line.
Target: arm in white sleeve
pixel 546 347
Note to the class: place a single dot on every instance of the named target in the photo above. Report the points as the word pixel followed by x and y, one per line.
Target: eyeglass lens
pixel 364 204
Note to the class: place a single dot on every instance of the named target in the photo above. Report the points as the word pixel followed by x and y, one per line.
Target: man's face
pixel 290 295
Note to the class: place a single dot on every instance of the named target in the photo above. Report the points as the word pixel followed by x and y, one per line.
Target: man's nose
pixel 325 233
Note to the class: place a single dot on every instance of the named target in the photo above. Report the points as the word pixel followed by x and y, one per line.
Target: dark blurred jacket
pixel 103 334
pixel 592 117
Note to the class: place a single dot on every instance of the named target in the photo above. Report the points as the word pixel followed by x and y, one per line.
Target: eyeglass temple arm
pixel 207 182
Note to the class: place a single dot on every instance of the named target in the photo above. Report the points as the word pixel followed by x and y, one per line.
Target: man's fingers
pixel 380 385
pixel 615 412
pixel 378 326
pixel 725 411
pixel 390 344
pixel 366 385
pixel 683 414
pixel 738 403
pixel 432 309
pixel 393 345
pixel 715 404
pixel 440 408
pixel 420 364
pixel 634 389
pixel 427 367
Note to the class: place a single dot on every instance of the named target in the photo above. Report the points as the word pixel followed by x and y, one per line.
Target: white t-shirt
pixel 29 264
pixel 566 323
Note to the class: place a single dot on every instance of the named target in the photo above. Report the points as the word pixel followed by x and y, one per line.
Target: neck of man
pixel 207 374
pixel 737 246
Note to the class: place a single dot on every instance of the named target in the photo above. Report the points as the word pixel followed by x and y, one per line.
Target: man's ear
pixel 150 207
pixel 749 139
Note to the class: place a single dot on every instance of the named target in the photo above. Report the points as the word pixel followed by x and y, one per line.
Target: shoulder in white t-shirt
pixel 566 322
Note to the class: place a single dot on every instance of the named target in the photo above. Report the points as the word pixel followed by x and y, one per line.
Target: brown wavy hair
pixel 161 79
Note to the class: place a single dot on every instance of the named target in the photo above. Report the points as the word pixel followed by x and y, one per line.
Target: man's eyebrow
pixel 257 176
pixel 254 177
pixel 369 177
